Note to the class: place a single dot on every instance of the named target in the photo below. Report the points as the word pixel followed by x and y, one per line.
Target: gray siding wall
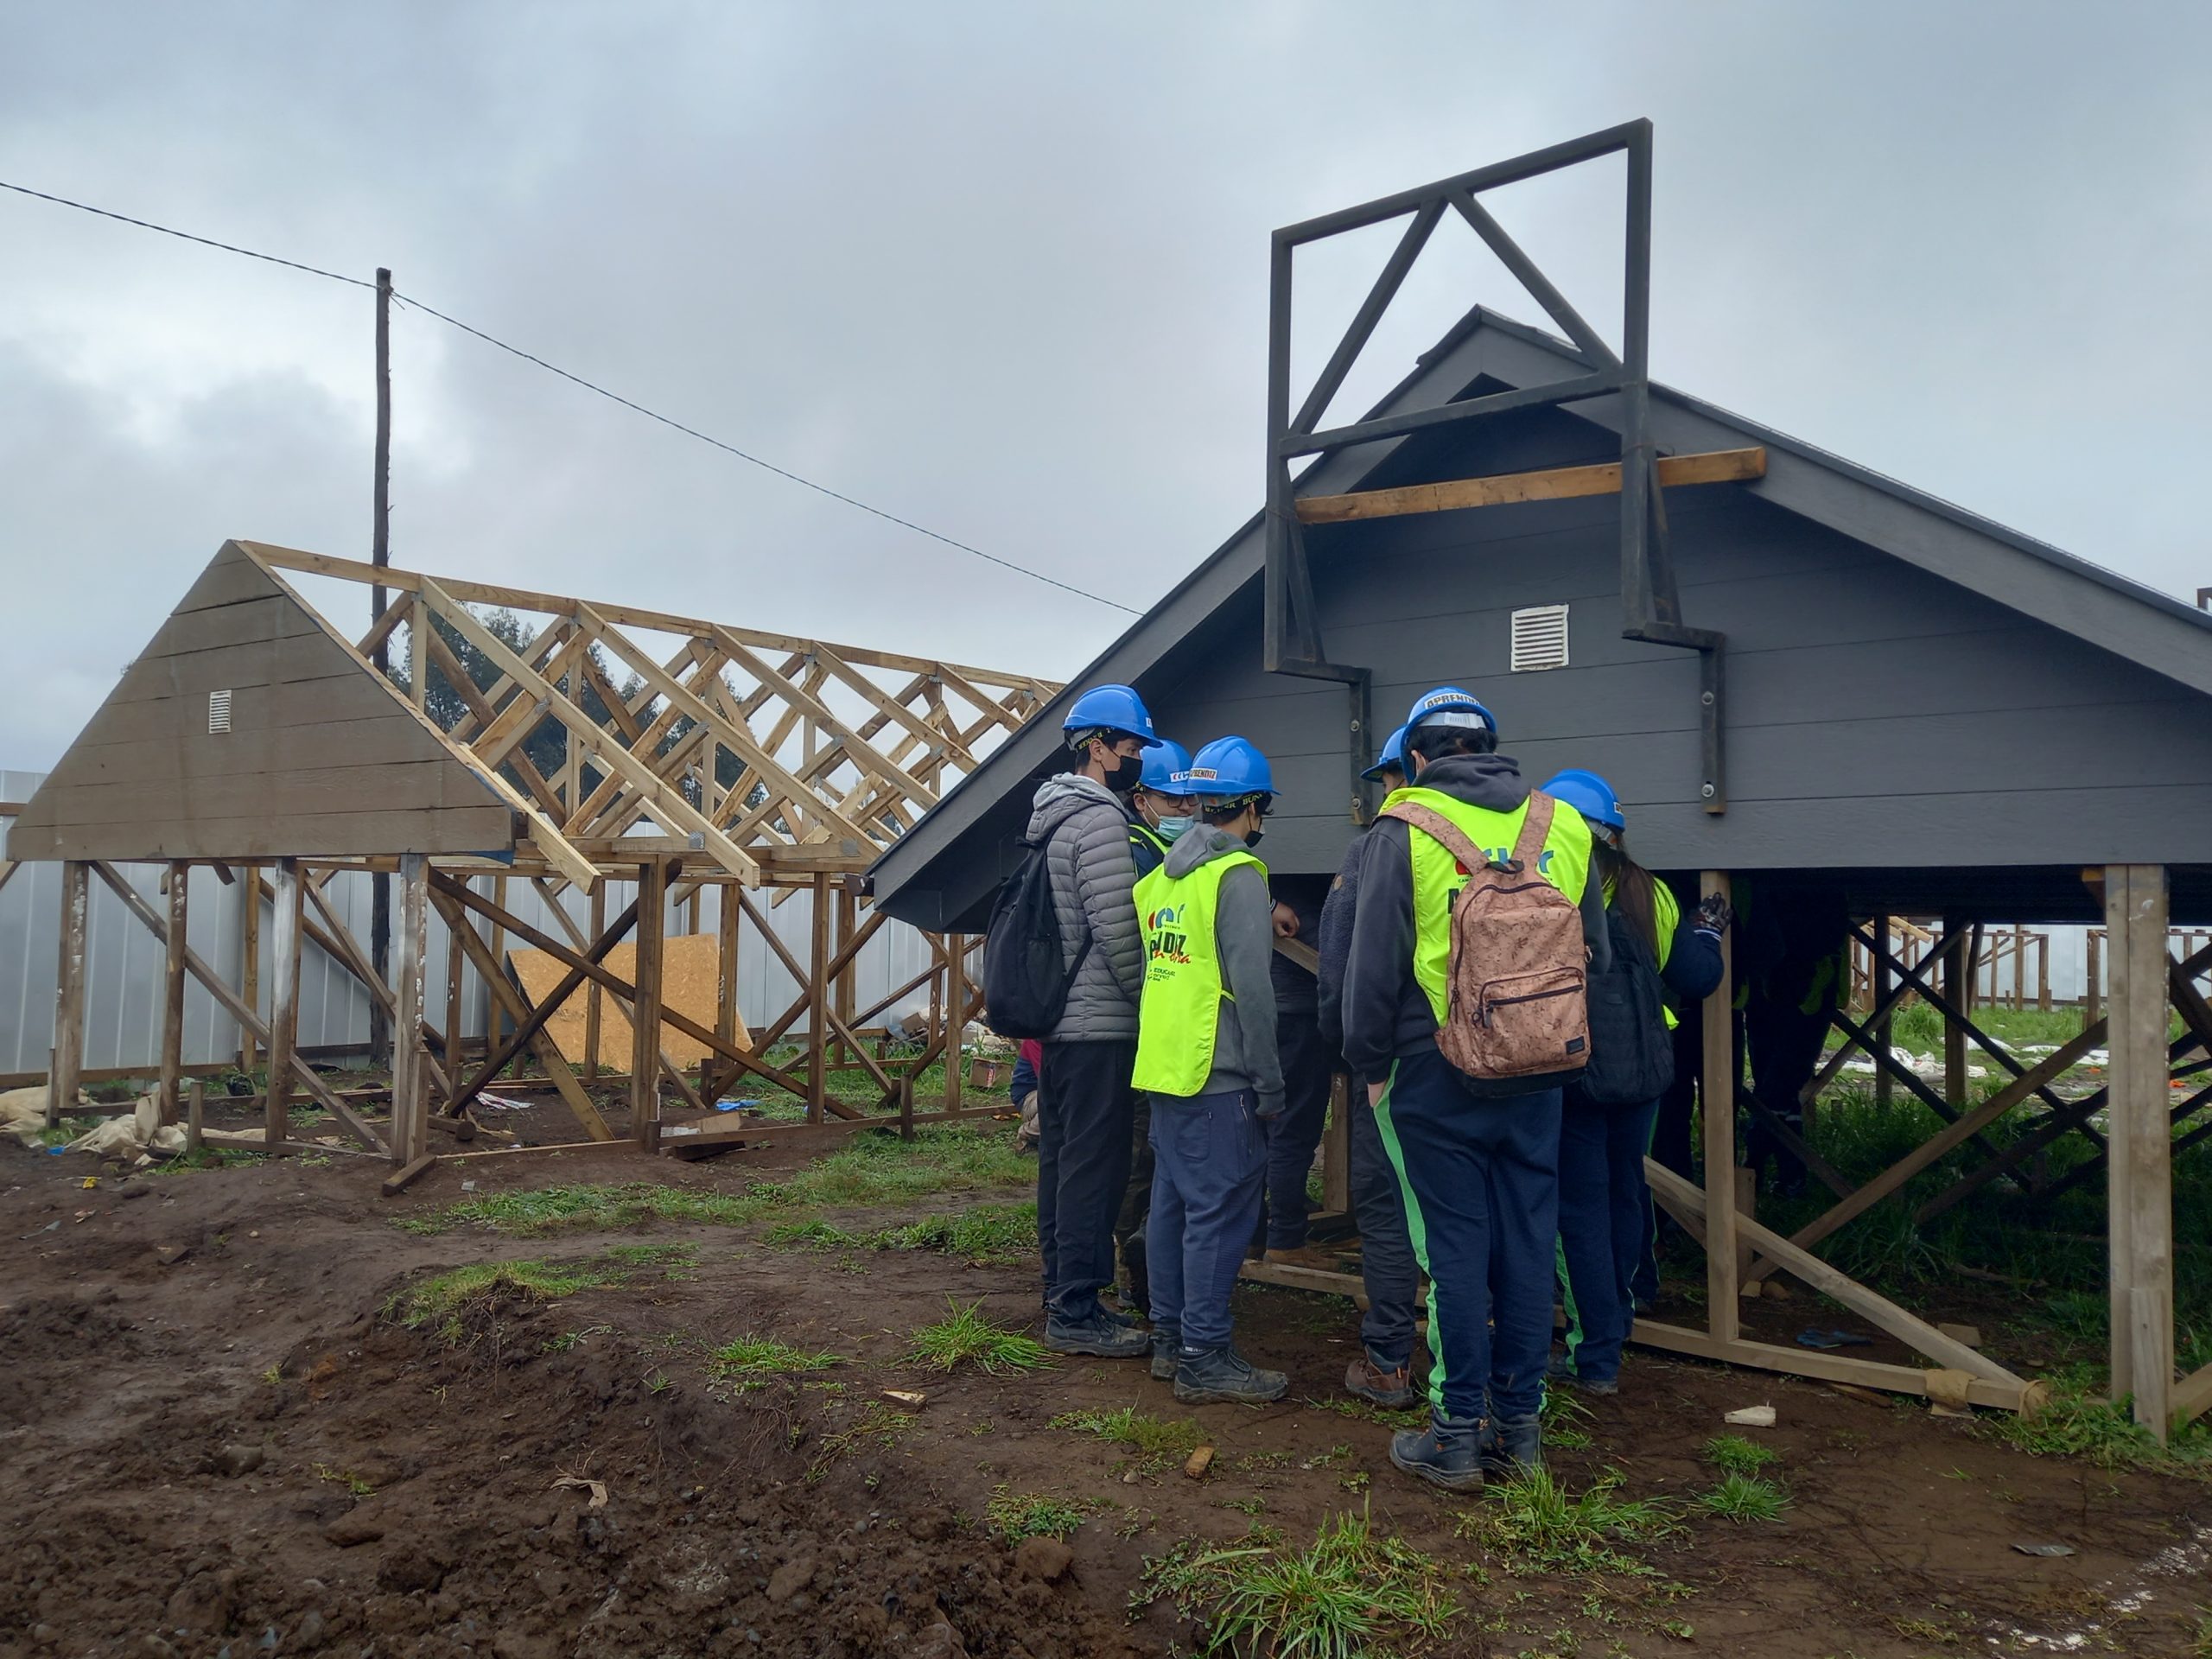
pixel 1877 714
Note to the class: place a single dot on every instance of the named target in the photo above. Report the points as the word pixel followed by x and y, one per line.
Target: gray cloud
pixel 1002 270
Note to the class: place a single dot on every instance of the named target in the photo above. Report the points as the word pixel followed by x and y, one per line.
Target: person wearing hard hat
pixel 1161 802
pixel 1086 1107
pixel 1477 1160
pixel 1206 1055
pixel 1163 806
pixel 1607 1115
pixel 1380 1372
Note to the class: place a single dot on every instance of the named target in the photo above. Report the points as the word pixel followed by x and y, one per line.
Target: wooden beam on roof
pixel 1552 484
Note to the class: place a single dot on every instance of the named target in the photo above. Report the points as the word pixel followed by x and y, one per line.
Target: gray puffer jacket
pixel 1086 832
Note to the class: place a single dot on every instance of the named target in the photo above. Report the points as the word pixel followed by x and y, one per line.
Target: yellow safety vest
pixel 1183 992
pixel 1147 848
pixel 1438 877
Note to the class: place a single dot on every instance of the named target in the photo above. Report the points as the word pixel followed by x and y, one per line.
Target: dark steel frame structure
pixel 1651 605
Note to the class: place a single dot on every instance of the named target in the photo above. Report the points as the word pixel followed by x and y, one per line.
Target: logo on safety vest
pixel 1165 939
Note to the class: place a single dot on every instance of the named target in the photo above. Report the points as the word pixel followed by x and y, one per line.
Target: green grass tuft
pixel 762 1356
pixel 1014 1517
pixel 1538 1524
pixel 1350 1594
pixel 2074 1423
pixel 441 1300
pixel 1148 1436
pixel 964 1336
pixel 1741 1497
pixel 1563 1417
pixel 987 1232
pixel 1732 1455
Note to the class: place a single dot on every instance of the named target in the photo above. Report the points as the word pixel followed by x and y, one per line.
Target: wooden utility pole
pixel 380 556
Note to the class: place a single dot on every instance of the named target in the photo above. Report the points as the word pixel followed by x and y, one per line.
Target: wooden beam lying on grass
pixel 1552 484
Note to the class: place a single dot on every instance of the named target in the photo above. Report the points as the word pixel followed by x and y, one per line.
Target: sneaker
pixel 1213 1373
pixel 1098 1336
pixel 1513 1447
pixel 1127 1318
pixel 1561 1368
pixel 1392 1390
pixel 1449 1454
pixel 1167 1352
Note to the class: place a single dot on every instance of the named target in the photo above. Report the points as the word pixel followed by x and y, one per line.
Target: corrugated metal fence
pixel 122 1003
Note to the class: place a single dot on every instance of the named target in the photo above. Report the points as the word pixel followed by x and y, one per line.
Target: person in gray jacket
pixel 1206 1055
pixel 1086 1120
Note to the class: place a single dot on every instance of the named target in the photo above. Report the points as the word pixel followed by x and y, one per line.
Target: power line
pixel 577 380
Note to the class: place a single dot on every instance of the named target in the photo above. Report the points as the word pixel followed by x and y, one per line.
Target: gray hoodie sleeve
pixel 1105 881
pixel 1244 935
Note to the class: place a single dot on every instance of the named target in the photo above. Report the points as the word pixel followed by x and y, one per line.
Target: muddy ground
pixel 213 1439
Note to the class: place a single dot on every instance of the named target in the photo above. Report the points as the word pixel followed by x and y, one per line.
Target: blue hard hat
pixel 1394 754
pixel 1448 705
pixel 1588 794
pixel 1111 709
pixel 1165 763
pixel 1228 767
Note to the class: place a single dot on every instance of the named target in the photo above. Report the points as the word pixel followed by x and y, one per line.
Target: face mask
pixel 1123 777
pixel 1170 828
pixel 1255 838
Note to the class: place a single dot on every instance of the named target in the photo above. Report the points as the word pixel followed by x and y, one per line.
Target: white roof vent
pixel 1539 638
pixel 219 711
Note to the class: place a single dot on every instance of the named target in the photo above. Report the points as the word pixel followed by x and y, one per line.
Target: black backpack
pixel 1025 987
pixel 1631 1051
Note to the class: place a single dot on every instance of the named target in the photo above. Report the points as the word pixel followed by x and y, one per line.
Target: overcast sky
pixel 1002 270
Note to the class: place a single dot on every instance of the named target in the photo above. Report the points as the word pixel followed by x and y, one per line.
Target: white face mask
pixel 1170 828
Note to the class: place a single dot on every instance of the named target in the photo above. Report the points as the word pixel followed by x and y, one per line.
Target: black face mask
pixel 1128 769
pixel 1254 838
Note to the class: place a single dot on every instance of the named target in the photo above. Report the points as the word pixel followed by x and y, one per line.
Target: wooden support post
pixel 955 1016
pixel 2043 972
pixel 591 990
pixel 728 920
pixel 1959 971
pixel 817 992
pixel 1886 1088
pixel 195 1106
pixel 848 924
pixel 2139 1171
pixel 67 1064
pixel 1335 1146
pixel 645 1007
pixel 1717 1090
pixel 2093 989
pixel 284 1004
pixel 1747 1201
pixel 410 1110
pixel 498 945
pixel 456 1016
pixel 173 992
pixel 249 892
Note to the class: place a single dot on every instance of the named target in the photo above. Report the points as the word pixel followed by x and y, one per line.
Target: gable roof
pixel 246 729
pixel 2054 587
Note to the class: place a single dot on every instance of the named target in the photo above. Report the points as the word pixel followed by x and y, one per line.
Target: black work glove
pixel 1715 914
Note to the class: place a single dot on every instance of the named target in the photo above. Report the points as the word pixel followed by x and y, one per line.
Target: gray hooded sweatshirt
pixel 1244 1029
pixel 1086 835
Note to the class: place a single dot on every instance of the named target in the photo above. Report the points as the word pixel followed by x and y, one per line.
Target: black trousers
pixel 1083 1153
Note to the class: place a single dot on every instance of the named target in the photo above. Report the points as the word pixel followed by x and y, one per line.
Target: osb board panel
pixel 689 967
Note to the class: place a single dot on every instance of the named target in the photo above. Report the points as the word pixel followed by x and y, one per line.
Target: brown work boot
pixel 1392 1390
pixel 1305 1255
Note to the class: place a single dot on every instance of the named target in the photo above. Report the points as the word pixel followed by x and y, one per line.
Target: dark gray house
pixel 1947 715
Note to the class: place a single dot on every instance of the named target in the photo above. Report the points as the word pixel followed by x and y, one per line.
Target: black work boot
pixel 1211 1374
pixel 1095 1334
pixel 1514 1447
pixel 1447 1453
pixel 1166 1349
pixel 1377 1384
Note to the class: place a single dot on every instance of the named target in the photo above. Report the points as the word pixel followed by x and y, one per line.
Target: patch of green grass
pixel 1147 1435
pixel 877 1425
pixel 1014 1517
pixel 964 1336
pixel 205 1158
pixel 1732 1455
pixel 1741 1498
pixel 749 1356
pixel 1362 1411
pixel 2074 1423
pixel 441 1300
pixel 1350 1593
pixel 606 1207
pixel 1563 1417
pixel 985 1232
pixel 1538 1524
pixel 345 1477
